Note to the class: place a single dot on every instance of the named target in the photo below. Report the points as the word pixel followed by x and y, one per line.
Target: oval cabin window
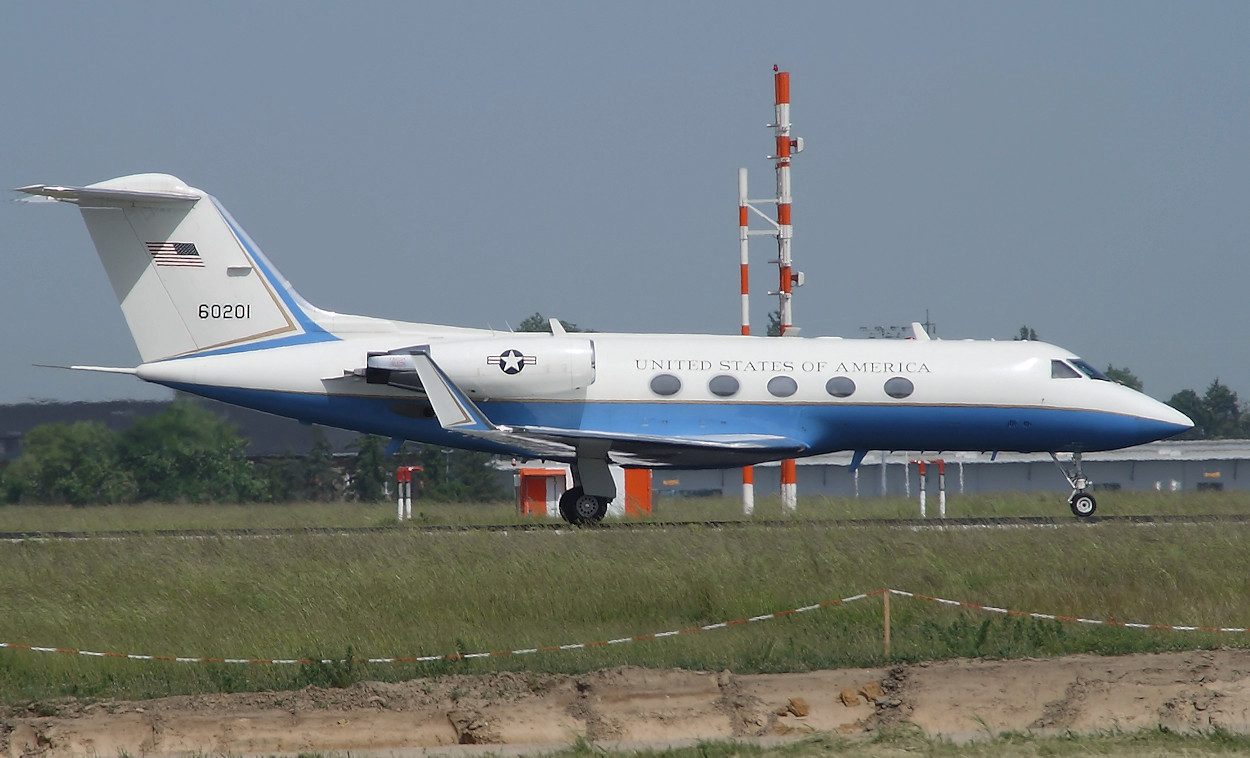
pixel 782 386
pixel 899 387
pixel 665 385
pixel 723 386
pixel 840 386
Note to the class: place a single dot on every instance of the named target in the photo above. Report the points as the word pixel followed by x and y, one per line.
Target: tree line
pixel 187 454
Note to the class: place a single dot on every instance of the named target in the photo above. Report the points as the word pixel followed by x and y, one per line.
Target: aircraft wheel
pixel 579 509
pixel 1083 504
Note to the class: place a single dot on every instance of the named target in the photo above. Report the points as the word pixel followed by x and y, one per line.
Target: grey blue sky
pixel 1079 167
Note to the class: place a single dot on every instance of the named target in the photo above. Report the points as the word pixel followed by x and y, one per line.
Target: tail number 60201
pixel 225 310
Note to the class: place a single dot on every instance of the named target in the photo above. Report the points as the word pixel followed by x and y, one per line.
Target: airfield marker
pixel 744 233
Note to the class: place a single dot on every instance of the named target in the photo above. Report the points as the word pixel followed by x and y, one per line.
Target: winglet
pixel 454 409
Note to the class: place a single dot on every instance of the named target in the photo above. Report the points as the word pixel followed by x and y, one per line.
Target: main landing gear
pixel 1081 502
pixel 580 509
pixel 593 488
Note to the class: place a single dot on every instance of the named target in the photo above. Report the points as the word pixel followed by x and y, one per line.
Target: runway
pixel 1007 522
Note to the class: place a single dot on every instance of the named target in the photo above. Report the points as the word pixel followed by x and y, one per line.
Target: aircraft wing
pixel 457 413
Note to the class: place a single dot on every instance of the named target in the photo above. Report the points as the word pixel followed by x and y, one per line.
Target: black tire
pixel 1083 504
pixel 580 509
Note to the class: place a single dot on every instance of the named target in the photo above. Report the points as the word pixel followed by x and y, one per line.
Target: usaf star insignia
pixel 511 361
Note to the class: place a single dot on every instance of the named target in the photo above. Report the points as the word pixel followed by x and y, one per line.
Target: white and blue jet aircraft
pixel 212 316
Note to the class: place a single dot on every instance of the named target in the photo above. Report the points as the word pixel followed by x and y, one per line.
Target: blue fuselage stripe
pixel 823 428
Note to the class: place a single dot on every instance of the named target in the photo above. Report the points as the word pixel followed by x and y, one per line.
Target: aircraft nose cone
pixel 1165 421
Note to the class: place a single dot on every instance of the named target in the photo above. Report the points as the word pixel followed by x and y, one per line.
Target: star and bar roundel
pixel 511 361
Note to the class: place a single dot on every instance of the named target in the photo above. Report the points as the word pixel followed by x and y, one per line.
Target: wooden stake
pixel 886 600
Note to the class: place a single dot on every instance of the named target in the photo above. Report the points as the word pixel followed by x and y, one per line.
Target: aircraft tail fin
pixel 188 278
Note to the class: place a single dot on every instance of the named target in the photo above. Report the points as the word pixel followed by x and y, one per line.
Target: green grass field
pixel 403 592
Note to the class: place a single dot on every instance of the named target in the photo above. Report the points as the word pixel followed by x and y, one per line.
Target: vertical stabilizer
pixel 188 278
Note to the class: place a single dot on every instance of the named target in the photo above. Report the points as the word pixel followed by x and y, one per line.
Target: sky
pixel 1082 168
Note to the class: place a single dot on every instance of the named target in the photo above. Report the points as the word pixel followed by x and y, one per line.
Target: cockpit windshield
pixel 1089 370
pixel 1061 370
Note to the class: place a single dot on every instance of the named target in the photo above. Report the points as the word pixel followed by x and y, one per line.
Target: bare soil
pixel 957 700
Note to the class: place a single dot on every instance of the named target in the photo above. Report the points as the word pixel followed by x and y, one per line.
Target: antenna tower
pixel 783 230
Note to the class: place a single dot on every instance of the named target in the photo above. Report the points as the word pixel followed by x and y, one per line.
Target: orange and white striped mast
pixel 784 232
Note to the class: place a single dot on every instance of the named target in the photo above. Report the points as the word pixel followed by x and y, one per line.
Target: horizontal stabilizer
pixel 97 369
pixel 108 195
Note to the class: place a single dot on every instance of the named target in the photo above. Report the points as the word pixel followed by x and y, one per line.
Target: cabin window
pixel 899 387
pixel 1089 370
pixel 665 385
pixel 782 386
pixel 840 386
pixel 1061 370
pixel 723 386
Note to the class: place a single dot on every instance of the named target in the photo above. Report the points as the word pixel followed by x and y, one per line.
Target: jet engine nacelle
pixel 503 367
pixel 498 367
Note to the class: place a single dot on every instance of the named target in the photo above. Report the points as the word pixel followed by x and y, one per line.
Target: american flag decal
pixel 175 254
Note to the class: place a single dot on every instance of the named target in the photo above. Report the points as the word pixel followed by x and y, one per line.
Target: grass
pixel 982 505
pixel 152 516
pixel 404 592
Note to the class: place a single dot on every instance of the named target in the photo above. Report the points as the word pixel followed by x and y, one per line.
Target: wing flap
pixel 685 451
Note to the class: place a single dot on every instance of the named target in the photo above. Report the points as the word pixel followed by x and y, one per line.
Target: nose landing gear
pixel 1081 502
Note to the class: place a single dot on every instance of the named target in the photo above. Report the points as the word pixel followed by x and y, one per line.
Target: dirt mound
pixel 959 700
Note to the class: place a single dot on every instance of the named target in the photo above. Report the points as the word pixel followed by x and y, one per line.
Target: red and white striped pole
pixel 941 468
pixel 785 232
pixel 401 476
pixel 403 486
pixel 920 466
pixel 744 233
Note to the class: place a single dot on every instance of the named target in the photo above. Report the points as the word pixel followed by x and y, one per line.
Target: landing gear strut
pixel 1081 502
